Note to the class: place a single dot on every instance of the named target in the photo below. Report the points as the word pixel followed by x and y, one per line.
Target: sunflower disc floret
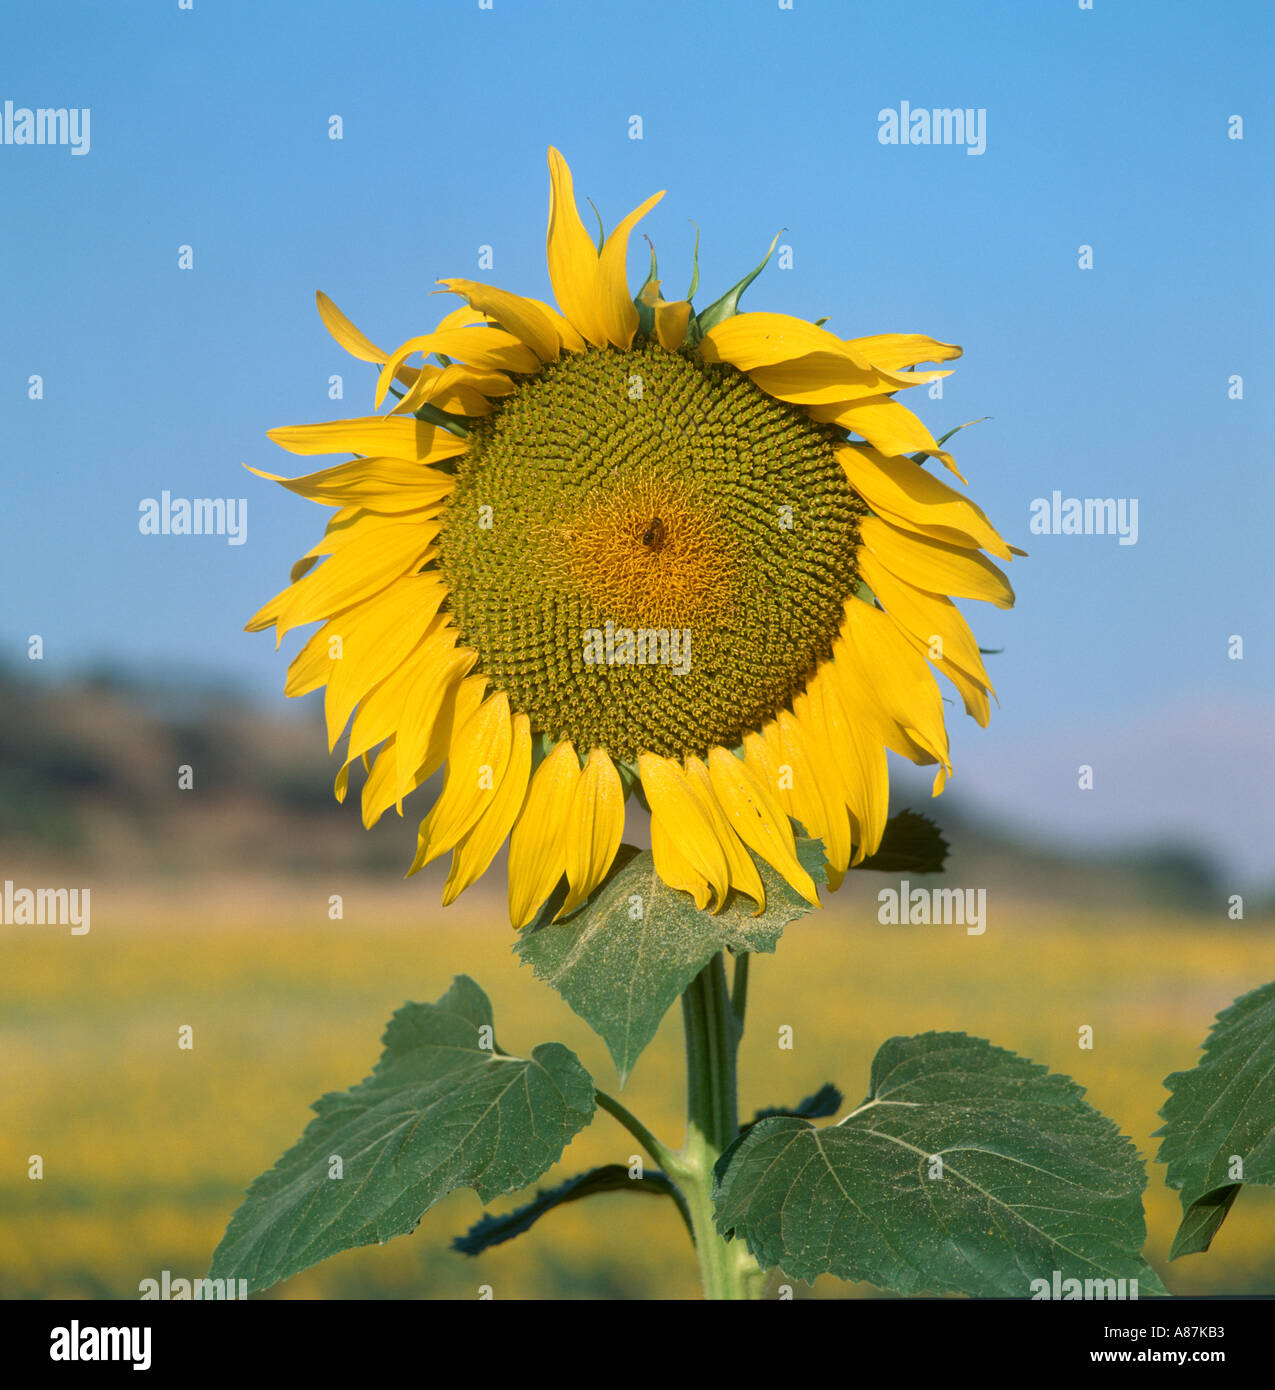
pixel 659 495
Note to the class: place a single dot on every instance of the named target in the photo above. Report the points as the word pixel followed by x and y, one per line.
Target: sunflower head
pixel 615 543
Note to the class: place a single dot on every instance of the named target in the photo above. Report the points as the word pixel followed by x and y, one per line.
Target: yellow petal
pixel 521 317
pixel 824 377
pixel 383 484
pixel 934 565
pixel 743 872
pixel 465 699
pixel 894 351
pixel 934 620
pixel 857 752
pixel 671 320
pixel 758 819
pixel 669 795
pixel 476 764
pixel 572 256
pixel 352 524
pixel 865 710
pixel 355 343
pixel 490 348
pixel 912 497
pixel 671 317
pixel 886 425
pixel 537 846
pixel 373 639
pixel 617 315
pixel 898 677
pixel 818 805
pixel 457 387
pixel 380 790
pixel 464 317
pixel 478 846
pixel 753 340
pixel 594 829
pixel 386 435
pixel 364 567
pixel 673 866
pixel 764 758
pixel 567 336
pixel 434 686
pixel 312 666
pixel 388 708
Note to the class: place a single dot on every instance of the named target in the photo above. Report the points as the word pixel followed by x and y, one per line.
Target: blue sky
pixel 1105 127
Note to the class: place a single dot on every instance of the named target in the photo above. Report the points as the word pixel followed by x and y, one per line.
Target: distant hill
pixel 89 778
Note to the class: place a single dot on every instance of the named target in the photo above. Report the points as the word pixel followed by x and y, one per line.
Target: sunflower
pixel 616 548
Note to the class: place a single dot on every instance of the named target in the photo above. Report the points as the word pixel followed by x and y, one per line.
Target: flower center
pixel 648 553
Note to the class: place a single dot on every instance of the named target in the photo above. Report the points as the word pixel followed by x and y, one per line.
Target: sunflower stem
pixel 713 1028
pixel 739 990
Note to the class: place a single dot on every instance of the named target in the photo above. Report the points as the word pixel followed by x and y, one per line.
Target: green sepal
pixel 923 459
pixel 728 304
pixel 690 294
pixel 458 424
pixel 630 780
pixel 602 236
pixel 912 844
pixel 646 312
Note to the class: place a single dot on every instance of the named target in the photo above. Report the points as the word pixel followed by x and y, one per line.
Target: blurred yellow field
pixel 146 1147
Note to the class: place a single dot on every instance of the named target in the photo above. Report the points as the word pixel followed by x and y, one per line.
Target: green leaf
pixel 440 1111
pixel 1219 1130
pixel 728 304
pixel 630 951
pixel 912 844
pixel 1033 1181
pixel 613 1177
pixel 1202 1221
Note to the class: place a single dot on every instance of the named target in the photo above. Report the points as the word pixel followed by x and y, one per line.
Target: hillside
pixel 89 779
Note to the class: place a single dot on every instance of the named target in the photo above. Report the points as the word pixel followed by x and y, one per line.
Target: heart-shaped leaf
pixel 628 954
pixel 444 1108
pixel 967 1169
